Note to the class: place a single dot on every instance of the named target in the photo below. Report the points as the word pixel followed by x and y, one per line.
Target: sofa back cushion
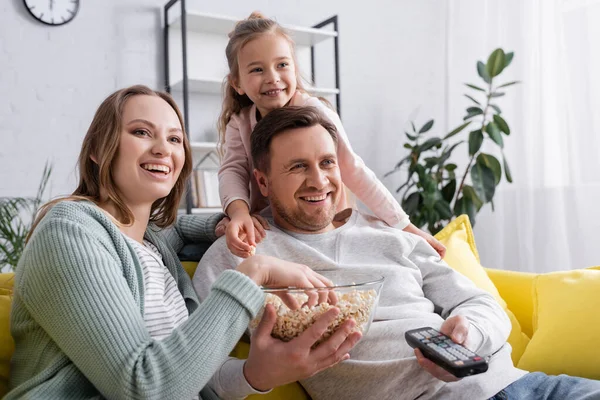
pixel 566 324
pixel 462 255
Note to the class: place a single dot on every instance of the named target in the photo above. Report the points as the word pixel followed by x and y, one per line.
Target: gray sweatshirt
pixel 419 290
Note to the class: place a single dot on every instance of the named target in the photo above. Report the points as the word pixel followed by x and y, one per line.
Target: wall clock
pixel 52 12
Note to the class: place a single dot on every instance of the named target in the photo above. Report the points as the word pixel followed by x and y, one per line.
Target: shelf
pixel 207 210
pixel 203 146
pixel 214 85
pixel 211 23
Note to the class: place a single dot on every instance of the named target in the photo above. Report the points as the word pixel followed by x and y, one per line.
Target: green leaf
pixel 475 141
pixel 495 107
pixel 413 126
pixel 457 130
pixel 411 204
pixel 430 143
pixel 495 63
pixel 495 134
pixel 482 71
pixel 472 99
pixel 492 163
pixel 497 94
pixel 443 209
pixel 469 193
pixel 407 146
pixel 410 137
pixel 450 167
pixel 448 190
pixel 475 87
pixel 426 127
pixel 472 112
pixel 465 206
pixel 508 84
pixel 484 182
pixel 502 124
pixel 508 59
pixel 507 170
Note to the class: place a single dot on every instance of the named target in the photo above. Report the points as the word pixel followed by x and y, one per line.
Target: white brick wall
pixel 53 78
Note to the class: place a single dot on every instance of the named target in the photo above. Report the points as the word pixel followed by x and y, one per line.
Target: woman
pixel 103 308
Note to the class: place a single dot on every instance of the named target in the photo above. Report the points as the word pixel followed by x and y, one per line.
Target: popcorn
pixel 252 250
pixel 356 305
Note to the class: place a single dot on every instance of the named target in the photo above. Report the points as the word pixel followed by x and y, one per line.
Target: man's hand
pixel 273 363
pixel 457 328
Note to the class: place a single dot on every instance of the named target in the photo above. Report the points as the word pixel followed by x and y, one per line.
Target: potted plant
pixel 434 191
pixel 16 216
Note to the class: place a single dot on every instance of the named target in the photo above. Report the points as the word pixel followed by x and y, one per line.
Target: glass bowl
pixel 356 294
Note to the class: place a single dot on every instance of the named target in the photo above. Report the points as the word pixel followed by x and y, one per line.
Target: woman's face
pixel 151 153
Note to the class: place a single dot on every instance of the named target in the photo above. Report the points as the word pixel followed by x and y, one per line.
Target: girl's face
pixel 267 73
pixel 151 153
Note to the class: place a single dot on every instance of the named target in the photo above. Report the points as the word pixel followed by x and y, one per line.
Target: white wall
pixel 53 78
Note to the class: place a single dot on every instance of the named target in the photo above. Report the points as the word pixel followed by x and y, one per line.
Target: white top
pixel 164 306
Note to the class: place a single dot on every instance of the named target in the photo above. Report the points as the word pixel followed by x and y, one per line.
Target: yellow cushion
pixel 566 324
pixel 7 345
pixel 462 255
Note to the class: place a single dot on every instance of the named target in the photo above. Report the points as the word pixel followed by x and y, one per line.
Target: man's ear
pixel 235 84
pixel 263 182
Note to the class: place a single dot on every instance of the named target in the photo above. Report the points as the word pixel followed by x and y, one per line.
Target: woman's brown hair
pixel 98 151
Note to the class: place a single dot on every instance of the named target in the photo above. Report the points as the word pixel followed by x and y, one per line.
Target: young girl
pixel 103 308
pixel 263 76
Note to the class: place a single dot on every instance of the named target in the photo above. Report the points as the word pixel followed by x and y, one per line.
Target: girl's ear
pixel 93 158
pixel 235 84
pixel 263 182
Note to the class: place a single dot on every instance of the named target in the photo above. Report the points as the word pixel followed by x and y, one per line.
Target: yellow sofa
pixel 544 309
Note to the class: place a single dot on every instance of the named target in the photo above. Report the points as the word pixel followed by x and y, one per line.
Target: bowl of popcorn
pixel 355 294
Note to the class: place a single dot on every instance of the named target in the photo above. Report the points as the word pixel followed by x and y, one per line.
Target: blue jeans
pixel 539 386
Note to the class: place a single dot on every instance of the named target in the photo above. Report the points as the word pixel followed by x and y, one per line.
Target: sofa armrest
pixel 516 288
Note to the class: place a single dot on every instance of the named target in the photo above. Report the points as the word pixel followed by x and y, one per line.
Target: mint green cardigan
pixel 77 316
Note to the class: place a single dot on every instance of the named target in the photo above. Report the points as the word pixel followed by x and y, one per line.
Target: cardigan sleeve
pixel 76 288
pixel 193 228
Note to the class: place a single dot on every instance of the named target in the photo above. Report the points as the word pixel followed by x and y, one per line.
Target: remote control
pixel 439 348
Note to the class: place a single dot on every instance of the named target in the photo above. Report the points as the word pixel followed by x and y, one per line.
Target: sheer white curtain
pixel 549 217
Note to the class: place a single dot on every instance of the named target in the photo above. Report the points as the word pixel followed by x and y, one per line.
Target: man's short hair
pixel 281 120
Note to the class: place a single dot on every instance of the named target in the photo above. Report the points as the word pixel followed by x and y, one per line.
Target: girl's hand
pixel 433 242
pixel 272 362
pixel 243 232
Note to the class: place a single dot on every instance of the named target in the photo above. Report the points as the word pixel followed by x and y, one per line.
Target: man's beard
pixel 300 220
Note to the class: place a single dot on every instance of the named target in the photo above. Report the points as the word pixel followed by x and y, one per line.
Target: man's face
pixel 303 184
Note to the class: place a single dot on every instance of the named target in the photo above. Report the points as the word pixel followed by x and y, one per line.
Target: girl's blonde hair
pixel 245 31
pixel 102 144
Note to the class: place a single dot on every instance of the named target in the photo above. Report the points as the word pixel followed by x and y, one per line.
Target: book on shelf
pixel 205 188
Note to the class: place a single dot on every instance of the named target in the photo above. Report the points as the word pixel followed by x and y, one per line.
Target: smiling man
pixel 294 151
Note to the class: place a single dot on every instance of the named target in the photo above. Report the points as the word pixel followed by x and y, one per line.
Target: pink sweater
pixel 237 166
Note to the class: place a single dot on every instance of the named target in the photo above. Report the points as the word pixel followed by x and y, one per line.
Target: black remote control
pixel 439 348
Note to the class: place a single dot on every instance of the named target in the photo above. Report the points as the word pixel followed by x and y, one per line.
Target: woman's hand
pixel 273 272
pixel 273 363
pixel 457 328
pixel 433 242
